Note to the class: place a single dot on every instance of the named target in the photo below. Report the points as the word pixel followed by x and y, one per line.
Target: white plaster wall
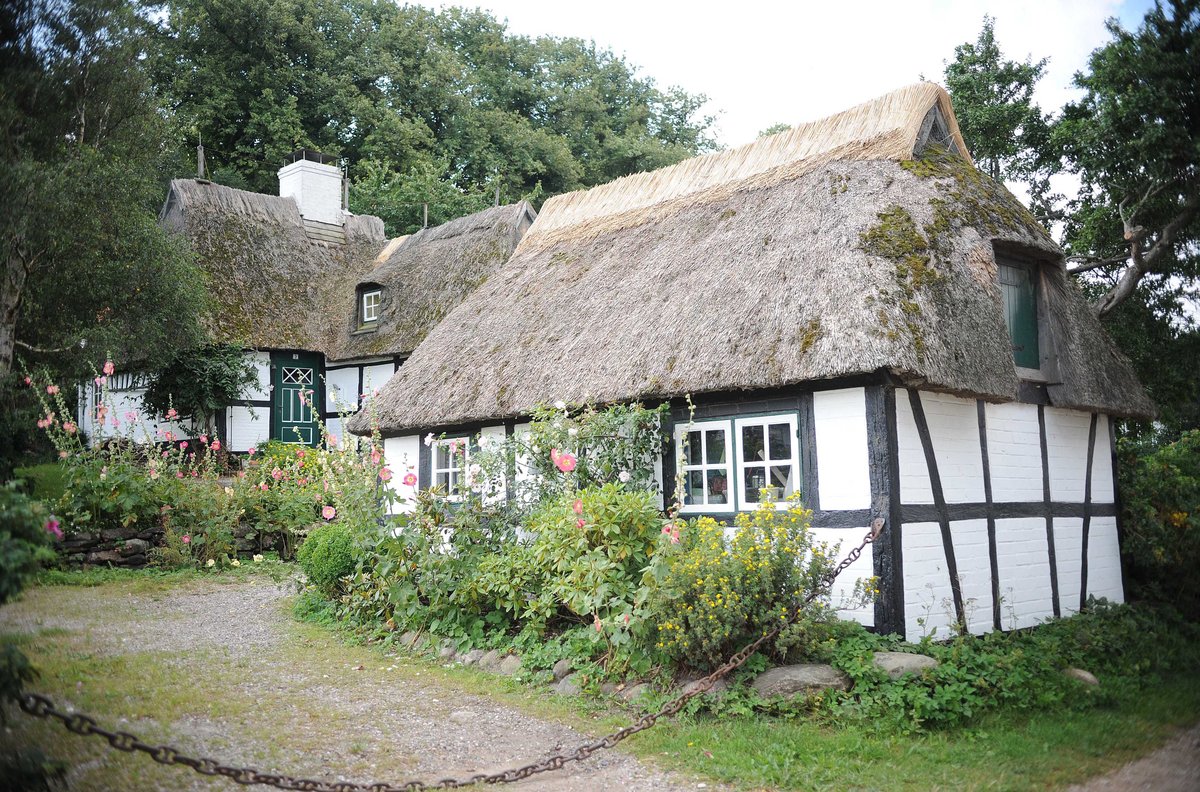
pixel 863 568
pixel 376 376
pixel 341 390
pixel 844 480
pixel 1066 452
pixel 1102 467
pixel 247 430
pixel 1068 559
pixel 954 432
pixel 1024 565
pixel 1014 452
pixel 491 437
pixel 402 455
pixel 334 427
pixel 1104 560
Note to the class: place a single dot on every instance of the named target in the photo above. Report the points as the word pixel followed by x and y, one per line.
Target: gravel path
pixel 271 695
pixel 1173 768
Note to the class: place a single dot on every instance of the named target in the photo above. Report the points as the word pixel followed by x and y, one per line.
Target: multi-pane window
pixel 725 465
pixel 370 306
pixel 706 464
pixel 1018 287
pixel 768 458
pixel 449 462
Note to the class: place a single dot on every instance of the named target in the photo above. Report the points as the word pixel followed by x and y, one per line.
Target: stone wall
pixel 124 547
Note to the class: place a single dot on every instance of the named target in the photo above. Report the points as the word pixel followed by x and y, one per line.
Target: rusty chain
pixel 41 707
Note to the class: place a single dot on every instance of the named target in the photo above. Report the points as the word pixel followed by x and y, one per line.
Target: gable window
pixel 369 303
pixel 726 464
pixel 768 458
pixel 1018 289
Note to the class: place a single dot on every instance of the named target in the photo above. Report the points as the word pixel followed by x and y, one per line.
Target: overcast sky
pixel 766 62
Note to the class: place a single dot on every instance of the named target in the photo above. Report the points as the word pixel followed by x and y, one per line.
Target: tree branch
pixel 41 351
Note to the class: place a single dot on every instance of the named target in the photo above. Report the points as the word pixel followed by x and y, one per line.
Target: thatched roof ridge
pixel 426 275
pixel 894 126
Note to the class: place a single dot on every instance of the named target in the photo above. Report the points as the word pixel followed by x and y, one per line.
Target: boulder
pixel 718 687
pixel 897 664
pixel 490 661
pixel 471 658
pixel 134 547
pixel 561 669
pixel 634 691
pixel 509 665
pixel 567 686
pixel 104 557
pixel 802 678
pixel 447 652
pixel 113 534
pixel 1086 677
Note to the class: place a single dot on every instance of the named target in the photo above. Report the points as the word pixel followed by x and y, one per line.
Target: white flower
pixel 211 563
pixel 624 476
pixel 429 439
pixel 475 470
pixel 235 563
pixel 560 405
pixel 536 449
pixel 257 558
pixel 572 432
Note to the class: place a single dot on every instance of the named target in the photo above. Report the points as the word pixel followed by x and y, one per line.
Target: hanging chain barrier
pixel 41 707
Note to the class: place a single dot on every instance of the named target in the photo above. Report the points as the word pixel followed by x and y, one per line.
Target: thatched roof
pixel 425 275
pixel 276 286
pixel 858 244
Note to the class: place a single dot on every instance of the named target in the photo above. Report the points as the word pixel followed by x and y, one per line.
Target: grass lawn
pixel 145 689
pixel 47 480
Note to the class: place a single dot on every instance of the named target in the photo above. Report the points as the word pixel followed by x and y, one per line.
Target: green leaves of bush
pixel 326 556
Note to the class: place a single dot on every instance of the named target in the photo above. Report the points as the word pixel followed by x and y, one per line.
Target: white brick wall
pixel 1014 452
pixel 1102 468
pixel 261 361
pixel 1066 452
pixel 376 376
pixel 954 432
pixel 1024 564
pixel 928 599
pixel 863 568
pixel 1068 557
pixel 341 390
pixel 841 433
pixel 1104 560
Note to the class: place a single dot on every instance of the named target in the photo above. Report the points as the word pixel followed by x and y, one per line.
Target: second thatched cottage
pixel 858 314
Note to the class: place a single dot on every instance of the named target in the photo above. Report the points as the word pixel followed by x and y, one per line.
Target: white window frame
pixel 369 307
pixel 682 467
pixel 456 474
pixel 744 503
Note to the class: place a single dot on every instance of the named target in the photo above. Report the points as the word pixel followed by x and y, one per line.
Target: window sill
pixel 366 330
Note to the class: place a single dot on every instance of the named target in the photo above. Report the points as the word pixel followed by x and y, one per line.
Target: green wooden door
pixel 297 400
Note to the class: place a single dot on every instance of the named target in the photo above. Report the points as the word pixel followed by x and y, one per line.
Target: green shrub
pixel 1160 501
pixel 24 539
pixel 712 595
pixel 326 556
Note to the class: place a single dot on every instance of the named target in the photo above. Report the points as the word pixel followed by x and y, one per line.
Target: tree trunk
pixel 12 286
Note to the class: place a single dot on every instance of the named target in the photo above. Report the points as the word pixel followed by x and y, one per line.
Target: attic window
pixel 1019 291
pixel 369 303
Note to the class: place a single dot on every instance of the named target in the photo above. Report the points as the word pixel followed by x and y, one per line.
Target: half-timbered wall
pixel 1008 512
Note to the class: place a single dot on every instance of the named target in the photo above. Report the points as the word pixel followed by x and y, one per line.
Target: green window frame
pixel 1019 291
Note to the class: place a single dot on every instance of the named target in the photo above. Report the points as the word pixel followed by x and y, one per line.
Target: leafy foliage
pixel 326 556
pixel 200 381
pixel 24 539
pixel 1160 503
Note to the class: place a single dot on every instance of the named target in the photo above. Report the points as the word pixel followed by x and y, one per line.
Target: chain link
pixel 41 707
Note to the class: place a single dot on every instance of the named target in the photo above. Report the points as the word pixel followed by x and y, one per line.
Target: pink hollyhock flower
pixel 580 523
pixel 69 427
pixel 204 439
pixel 109 368
pixel 171 414
pixel 375 457
pixel 252 451
pixel 52 389
pixel 183 445
pixel 626 619
pixel 195 473
pixel 277 474
pixel 52 527
pixel 241 474
pixel 300 453
pixel 101 381
pixel 153 473
pixel 63 455
pixel 410 479
pixel 28 381
pixel 564 461
pixel 303 481
pixel 186 539
pixel 263 486
pixel 328 513
pixel 216 445
pixel 597 624
pixel 179 474
pixel 169 437
pixel 578 506
pixel 130 416
pixel 333 440
pixel 385 474
pixel 165 454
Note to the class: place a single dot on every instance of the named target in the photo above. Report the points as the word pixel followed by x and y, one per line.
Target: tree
pixel 1132 141
pixel 86 270
pixel 1006 133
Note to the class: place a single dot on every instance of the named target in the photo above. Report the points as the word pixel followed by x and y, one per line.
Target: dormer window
pixel 1019 291
pixel 370 300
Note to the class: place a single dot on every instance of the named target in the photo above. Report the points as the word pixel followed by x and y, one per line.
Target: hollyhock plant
pixel 385 474
pixel 52 527
pixel 328 513
pixel 410 479
pixel 109 368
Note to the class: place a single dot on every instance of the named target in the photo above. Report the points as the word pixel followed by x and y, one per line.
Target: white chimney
pixel 315 184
